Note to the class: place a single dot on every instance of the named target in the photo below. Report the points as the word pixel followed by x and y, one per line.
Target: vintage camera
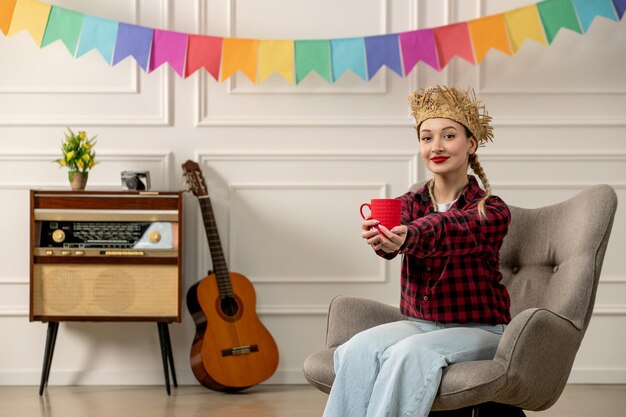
pixel 136 180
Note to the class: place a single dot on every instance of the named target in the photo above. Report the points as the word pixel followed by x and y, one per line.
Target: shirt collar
pixel 472 191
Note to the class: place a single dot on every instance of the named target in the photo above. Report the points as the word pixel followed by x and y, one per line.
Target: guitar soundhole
pixel 229 306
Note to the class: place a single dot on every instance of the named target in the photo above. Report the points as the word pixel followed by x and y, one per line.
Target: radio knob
pixel 58 236
pixel 155 237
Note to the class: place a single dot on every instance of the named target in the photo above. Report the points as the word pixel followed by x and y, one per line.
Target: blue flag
pixel 100 34
pixel 348 54
pixel 383 50
pixel 588 10
pixel 135 41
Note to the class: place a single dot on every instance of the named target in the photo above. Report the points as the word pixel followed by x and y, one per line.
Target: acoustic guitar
pixel 231 350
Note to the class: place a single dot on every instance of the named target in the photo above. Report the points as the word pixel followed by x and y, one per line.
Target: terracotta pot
pixel 78 180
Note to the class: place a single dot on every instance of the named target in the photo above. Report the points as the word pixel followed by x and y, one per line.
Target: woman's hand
pixel 385 240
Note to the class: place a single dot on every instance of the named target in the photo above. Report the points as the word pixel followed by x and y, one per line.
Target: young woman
pixel 455 306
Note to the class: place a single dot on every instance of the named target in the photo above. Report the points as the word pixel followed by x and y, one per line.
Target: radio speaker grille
pixel 61 290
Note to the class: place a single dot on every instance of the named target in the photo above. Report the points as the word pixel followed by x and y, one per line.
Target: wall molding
pixel 163 157
pixel 162 118
pixel 383 192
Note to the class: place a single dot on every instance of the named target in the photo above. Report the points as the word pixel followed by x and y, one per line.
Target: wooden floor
pixel 260 401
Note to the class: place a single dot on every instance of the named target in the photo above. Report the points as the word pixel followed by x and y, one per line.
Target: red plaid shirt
pixel 450 270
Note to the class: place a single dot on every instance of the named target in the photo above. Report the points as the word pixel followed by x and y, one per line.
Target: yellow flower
pixel 87 145
pixel 86 157
pixel 80 164
pixel 69 155
pixel 82 135
pixel 91 164
pixel 63 162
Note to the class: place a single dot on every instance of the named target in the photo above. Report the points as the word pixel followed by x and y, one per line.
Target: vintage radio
pixel 105 256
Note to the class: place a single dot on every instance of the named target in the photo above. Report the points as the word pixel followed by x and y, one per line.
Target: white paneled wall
pixel 288 166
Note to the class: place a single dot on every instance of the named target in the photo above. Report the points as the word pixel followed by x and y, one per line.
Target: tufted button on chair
pixel 551 262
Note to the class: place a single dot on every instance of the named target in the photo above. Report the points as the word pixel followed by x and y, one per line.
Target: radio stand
pixel 164 341
pixel 106 256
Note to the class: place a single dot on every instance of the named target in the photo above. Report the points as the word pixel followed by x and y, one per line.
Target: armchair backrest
pixel 553 255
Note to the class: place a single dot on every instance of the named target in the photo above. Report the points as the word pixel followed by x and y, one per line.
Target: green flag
pixel 63 24
pixel 312 55
pixel 557 14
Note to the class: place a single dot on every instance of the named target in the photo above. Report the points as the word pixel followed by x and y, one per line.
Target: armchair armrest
pixel 537 350
pixel 530 368
pixel 348 316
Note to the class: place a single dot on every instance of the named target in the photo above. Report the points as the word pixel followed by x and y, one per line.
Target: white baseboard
pixel 132 377
pixel 291 376
pixel 597 376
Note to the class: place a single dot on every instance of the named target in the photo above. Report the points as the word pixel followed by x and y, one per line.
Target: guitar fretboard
pixel 217 254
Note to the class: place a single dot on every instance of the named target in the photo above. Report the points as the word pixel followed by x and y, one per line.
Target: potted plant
pixel 79 156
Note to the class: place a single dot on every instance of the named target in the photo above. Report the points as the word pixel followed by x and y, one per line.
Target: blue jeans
pixel 395 369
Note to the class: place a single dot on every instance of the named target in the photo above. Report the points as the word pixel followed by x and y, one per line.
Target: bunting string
pixel 294 60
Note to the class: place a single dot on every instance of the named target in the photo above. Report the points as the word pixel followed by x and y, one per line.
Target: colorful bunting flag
pixel 6 14
pixel 557 14
pixel 204 51
pixel 588 10
pixel 348 54
pixel 489 32
pixel 453 40
pixel 239 54
pixel 620 7
pixel 330 58
pixel 170 47
pixel 418 45
pixel 100 34
pixel 65 25
pixel 276 56
pixel 382 50
pixel 135 41
pixel 312 55
pixel 31 15
pixel 523 24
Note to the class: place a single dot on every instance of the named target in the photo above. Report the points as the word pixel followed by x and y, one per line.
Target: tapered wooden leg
pixel 164 355
pixel 53 328
pixel 170 355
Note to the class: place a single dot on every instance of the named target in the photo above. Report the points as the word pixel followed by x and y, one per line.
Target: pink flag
pixel 453 40
pixel 418 45
pixel 168 47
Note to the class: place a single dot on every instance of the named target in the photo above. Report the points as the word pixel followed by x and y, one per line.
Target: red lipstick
pixel 439 159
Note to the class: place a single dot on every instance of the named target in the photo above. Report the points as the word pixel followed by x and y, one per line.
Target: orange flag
pixel 489 32
pixel 6 14
pixel 239 54
pixel 524 23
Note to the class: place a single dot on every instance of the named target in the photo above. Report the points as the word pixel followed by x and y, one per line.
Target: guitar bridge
pixel 240 350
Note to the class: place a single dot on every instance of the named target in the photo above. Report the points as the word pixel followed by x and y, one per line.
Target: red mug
pixel 388 211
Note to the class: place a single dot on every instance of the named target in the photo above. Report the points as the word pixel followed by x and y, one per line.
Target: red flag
pixel 453 40
pixel 204 51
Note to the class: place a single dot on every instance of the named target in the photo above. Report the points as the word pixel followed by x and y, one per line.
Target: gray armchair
pixel 551 262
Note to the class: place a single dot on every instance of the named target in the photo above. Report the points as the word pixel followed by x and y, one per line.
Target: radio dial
pixel 58 236
pixel 155 237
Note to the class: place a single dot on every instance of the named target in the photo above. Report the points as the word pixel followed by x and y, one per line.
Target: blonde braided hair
pixel 478 170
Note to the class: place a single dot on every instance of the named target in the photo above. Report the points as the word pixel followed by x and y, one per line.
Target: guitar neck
pixel 217 253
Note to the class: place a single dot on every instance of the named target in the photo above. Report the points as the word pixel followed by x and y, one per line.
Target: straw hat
pixel 452 103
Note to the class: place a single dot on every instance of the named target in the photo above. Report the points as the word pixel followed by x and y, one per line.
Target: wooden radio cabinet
pixel 105 256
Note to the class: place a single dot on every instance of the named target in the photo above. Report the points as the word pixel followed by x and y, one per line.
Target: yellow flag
pixel 524 23
pixel 31 15
pixel 239 54
pixel 276 56
pixel 489 32
pixel 6 14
